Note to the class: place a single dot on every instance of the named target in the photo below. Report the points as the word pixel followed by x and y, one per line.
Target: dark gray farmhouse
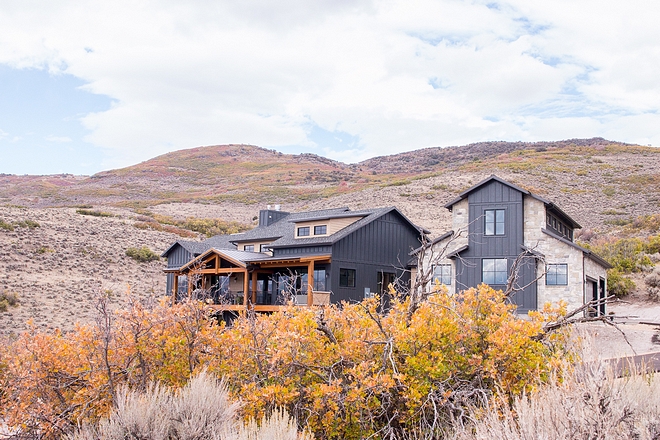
pixel 316 257
pixel 507 237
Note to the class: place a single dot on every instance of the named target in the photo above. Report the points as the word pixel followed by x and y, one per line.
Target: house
pixel 315 257
pixel 513 240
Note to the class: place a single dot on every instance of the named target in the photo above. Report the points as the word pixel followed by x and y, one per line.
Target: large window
pixel 494 271
pixel 556 275
pixel 494 222
pixel 303 231
pixel 346 277
pixel 319 280
pixel 320 230
pixel 442 274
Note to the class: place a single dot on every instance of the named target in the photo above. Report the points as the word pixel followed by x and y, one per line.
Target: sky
pixel 87 86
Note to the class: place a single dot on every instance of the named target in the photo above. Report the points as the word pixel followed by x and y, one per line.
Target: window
pixel 263 248
pixel 248 248
pixel 494 271
pixel 442 273
pixel 303 231
pixel 494 222
pixel 320 230
pixel 556 275
pixel 346 277
pixel 319 280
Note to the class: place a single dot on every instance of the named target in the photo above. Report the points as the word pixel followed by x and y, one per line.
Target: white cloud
pixel 398 75
pixel 58 139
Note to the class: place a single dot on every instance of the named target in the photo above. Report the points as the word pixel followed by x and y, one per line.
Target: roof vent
pixel 277 207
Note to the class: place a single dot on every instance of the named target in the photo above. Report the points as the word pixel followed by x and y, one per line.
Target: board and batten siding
pixel 495 195
pixel 176 258
pixel 380 246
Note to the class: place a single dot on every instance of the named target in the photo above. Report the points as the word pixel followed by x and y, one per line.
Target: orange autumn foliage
pixel 344 372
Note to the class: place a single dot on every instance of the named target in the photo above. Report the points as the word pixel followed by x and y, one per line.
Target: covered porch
pixel 237 280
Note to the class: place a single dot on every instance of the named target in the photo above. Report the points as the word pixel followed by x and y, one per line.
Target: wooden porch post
pixel 254 287
pixel 245 287
pixel 189 285
pixel 310 283
pixel 175 287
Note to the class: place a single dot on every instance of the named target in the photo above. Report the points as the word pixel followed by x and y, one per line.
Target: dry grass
pixel 201 410
pixel 591 403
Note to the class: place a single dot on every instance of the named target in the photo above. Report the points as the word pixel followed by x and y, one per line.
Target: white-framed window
pixel 303 231
pixel 248 248
pixel 320 230
pixel 263 248
pixel 494 271
pixel 442 274
pixel 494 222
pixel 556 275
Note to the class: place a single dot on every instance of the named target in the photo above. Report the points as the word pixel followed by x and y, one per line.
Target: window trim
pixel 495 222
pixel 304 229
pixel 345 277
pixel 495 271
pixel 443 276
pixel 554 275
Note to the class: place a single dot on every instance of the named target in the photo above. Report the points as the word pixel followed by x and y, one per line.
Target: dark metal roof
pixel 194 247
pixel 549 205
pixel 284 228
pixel 368 216
pixel 431 243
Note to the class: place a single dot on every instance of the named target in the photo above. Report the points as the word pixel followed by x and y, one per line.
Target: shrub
pixel 95 213
pixel 652 282
pixel 30 224
pixel 142 255
pixel 200 410
pixel 6 226
pixel 591 403
pixel 8 300
pixel 618 284
pixel 346 372
pixel 625 254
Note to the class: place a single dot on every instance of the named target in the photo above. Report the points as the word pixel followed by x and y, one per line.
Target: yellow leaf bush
pixel 344 372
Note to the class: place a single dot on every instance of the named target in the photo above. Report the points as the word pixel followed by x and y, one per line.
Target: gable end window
pixel 494 222
pixel 556 275
pixel 248 248
pixel 320 230
pixel 494 271
pixel 346 277
pixel 442 274
pixel 303 231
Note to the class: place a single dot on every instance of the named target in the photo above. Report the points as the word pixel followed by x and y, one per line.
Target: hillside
pixel 58 268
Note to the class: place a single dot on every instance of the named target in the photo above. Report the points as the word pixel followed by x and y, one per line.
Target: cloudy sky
pixel 89 85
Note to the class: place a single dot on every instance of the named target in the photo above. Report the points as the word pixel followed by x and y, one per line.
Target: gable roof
pixel 368 216
pixel 493 178
pixel 197 247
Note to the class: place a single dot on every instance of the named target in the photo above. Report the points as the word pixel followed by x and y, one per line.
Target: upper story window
pixel 442 274
pixel 303 231
pixel 248 248
pixel 263 248
pixel 556 275
pixel 320 230
pixel 558 226
pixel 494 222
pixel 494 271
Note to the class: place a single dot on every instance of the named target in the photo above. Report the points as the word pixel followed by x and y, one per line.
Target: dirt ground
pixel 629 336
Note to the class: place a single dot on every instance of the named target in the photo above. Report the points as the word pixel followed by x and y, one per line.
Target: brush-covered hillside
pixel 64 239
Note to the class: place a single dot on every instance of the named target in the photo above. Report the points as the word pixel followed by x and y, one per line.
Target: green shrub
pixel 95 213
pixel 653 245
pixel 143 254
pixel 618 284
pixel 30 224
pixel 6 226
pixel 627 255
pixel 8 300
